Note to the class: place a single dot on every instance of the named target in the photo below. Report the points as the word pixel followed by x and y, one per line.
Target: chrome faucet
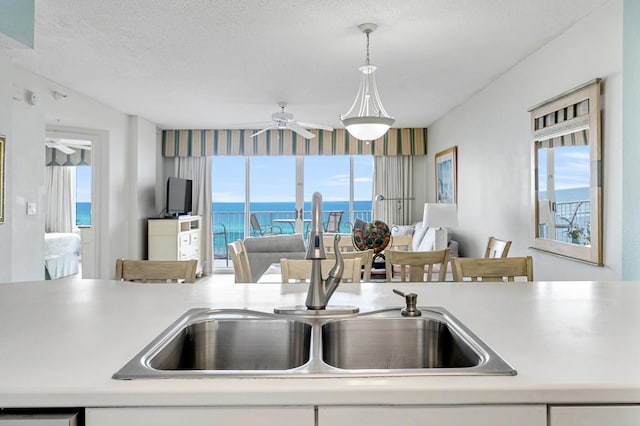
pixel 320 291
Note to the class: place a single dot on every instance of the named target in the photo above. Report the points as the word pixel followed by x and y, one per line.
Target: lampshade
pixel 367 128
pixel 366 119
pixel 440 215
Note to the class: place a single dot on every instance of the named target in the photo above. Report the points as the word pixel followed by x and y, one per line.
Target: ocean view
pixel 83 214
pixel 229 217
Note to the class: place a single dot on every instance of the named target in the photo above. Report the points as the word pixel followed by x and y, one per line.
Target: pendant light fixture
pixel 366 119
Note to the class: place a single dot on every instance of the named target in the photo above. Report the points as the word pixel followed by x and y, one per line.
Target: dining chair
pixel 497 248
pixel 366 260
pixel 413 265
pixel 498 269
pixel 156 271
pixel 240 260
pixel 344 245
pixel 401 242
pixel 257 229
pixel 295 269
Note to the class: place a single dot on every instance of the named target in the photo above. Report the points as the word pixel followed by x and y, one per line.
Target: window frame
pixel 589 122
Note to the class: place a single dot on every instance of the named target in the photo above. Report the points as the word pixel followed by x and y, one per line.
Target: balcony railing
pixel 229 226
pixel 572 223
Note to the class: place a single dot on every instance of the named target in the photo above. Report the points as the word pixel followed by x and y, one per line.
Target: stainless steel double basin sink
pixel 238 342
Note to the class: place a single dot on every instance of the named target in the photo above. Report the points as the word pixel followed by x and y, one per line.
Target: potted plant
pixel 575 233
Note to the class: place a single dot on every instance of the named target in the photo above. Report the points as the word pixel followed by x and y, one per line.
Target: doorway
pixel 77 149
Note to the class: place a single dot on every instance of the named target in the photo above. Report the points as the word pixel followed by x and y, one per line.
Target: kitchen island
pixel 572 344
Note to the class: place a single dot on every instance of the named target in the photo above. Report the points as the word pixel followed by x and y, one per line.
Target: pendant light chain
pixel 367 60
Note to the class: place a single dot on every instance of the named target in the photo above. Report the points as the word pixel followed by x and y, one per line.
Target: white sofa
pixel 422 238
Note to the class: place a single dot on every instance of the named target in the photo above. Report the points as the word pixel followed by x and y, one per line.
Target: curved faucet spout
pixel 321 291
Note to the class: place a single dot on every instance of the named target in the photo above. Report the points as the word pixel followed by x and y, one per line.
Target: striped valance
pixel 579 138
pixel 199 143
pixel 55 157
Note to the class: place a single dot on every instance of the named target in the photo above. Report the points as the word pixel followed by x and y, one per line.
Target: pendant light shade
pixel 366 119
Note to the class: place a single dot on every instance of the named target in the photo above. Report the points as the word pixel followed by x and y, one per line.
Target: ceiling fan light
pixel 367 128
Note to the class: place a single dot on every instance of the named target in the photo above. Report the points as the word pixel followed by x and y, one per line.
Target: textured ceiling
pixel 218 64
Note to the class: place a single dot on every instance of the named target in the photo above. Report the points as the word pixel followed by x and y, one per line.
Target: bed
pixel 61 254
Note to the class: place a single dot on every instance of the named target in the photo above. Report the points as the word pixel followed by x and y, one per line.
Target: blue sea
pixel 229 217
pixel 83 214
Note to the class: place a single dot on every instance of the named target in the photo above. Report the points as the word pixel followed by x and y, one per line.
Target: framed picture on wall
pixel 446 175
pixel 3 141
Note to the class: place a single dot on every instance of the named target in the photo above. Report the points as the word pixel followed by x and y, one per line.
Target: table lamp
pixel 440 216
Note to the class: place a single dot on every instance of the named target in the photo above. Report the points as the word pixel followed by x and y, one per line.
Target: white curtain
pixel 393 179
pixel 198 169
pixel 61 199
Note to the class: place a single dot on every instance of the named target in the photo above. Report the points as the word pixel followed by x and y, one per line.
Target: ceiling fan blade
pixel 62 148
pixel 263 130
pixel 301 131
pixel 315 126
pixel 78 146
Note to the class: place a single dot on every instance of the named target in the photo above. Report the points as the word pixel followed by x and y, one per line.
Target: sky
pixel 273 178
pixel 571 167
pixel 83 184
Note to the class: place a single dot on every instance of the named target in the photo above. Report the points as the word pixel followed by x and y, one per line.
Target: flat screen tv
pixel 178 196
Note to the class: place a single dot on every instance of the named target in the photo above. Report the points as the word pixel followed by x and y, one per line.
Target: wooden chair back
pixel 240 261
pixel 156 271
pixel 492 269
pixel 401 242
pixel 344 245
pixel 414 264
pixel 497 248
pixel 295 269
pixel 366 257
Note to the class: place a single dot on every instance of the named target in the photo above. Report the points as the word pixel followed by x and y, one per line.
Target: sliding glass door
pixel 261 195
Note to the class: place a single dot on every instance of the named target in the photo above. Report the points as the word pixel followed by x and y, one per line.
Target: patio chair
pixel 333 223
pixel 240 261
pixel 500 269
pixel 414 264
pixel 497 248
pixel 256 229
pixel 156 271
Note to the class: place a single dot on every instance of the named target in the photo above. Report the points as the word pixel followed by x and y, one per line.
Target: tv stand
pixel 175 238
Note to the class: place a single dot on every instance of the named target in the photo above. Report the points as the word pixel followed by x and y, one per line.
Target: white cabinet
pixel 200 416
pixel 175 239
pixel 38 419
pixel 477 415
pixel 594 415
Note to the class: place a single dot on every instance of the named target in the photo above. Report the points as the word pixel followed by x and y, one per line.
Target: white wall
pixel 6 236
pixel 22 236
pixel 631 136
pixel 143 156
pixel 492 132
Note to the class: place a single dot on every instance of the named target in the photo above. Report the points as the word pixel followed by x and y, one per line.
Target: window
pixel 276 189
pixel 83 195
pixel 567 174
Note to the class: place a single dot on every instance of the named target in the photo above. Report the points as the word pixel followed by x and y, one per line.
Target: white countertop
pixel 569 341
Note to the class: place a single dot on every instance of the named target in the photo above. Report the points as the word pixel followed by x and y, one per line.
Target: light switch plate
pixel 32 208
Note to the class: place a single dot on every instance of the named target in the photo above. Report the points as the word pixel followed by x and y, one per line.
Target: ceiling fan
pixel 285 120
pixel 66 146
